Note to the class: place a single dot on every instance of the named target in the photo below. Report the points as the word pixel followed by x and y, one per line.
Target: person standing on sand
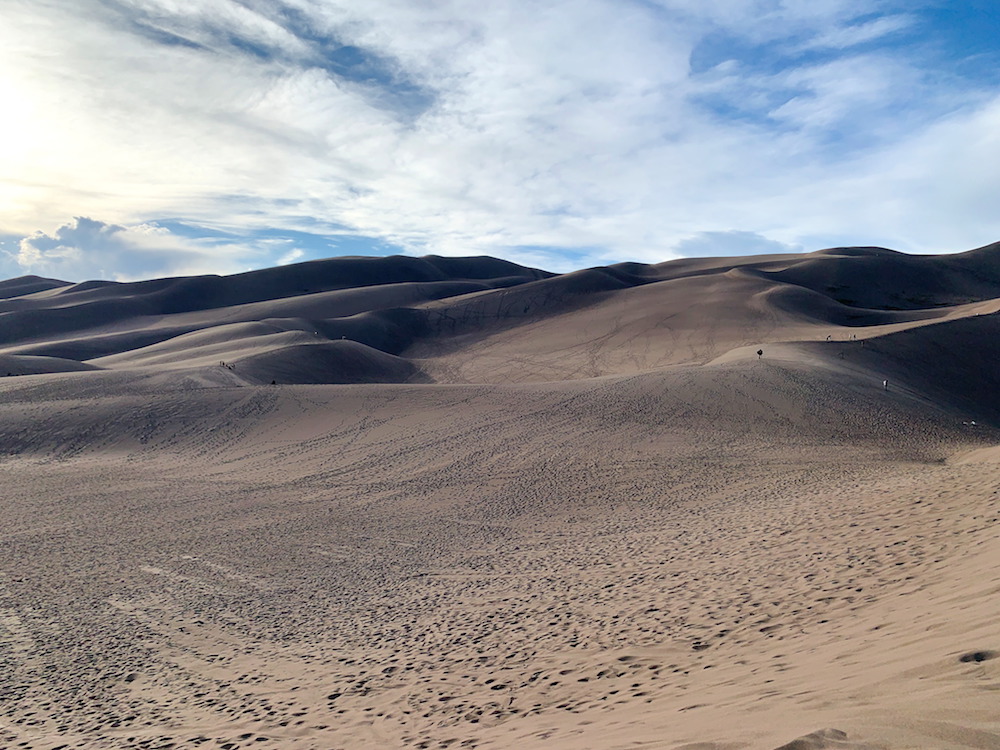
pixel 760 353
pixel 885 385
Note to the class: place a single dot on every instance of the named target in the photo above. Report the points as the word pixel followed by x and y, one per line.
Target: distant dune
pixel 708 504
pixel 483 320
pixel 15 364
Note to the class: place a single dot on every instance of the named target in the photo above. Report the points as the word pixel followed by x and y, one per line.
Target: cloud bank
pixel 555 133
pixel 85 248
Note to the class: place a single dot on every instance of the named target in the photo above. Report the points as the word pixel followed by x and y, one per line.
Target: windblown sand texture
pixel 484 506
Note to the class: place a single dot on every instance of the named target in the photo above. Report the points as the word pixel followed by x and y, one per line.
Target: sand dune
pixel 483 506
pixel 14 364
pixel 332 362
pixel 24 285
pixel 482 320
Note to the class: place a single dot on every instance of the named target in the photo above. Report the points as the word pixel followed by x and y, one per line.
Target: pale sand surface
pixel 680 547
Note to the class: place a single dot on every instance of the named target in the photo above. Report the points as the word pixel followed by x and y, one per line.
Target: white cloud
pixel 291 256
pixel 834 94
pixel 733 242
pixel 213 24
pixel 89 249
pixel 513 128
pixel 933 192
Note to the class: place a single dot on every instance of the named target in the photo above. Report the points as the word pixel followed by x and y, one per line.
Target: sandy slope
pixel 630 532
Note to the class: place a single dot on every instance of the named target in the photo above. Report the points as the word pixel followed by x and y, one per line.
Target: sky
pixel 149 138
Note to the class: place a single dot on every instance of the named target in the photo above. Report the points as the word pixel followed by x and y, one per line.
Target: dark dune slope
pixel 24 285
pixel 886 280
pixel 332 362
pixel 14 364
pixel 952 364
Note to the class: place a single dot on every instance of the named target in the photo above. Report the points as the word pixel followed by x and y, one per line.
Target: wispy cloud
pixel 861 33
pixel 589 130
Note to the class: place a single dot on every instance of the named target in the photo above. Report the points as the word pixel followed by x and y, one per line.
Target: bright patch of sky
pixel 144 138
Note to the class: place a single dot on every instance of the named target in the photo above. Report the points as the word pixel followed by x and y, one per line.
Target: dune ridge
pixel 475 319
pixel 709 504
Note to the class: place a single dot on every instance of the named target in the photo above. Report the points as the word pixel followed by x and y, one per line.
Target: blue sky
pixel 144 138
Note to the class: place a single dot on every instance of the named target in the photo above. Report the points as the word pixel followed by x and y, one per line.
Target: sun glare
pixel 21 127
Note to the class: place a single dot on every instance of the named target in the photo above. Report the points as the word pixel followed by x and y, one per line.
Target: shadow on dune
pixel 950 364
pixel 331 362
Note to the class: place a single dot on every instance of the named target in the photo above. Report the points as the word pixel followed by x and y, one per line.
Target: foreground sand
pixel 715 557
